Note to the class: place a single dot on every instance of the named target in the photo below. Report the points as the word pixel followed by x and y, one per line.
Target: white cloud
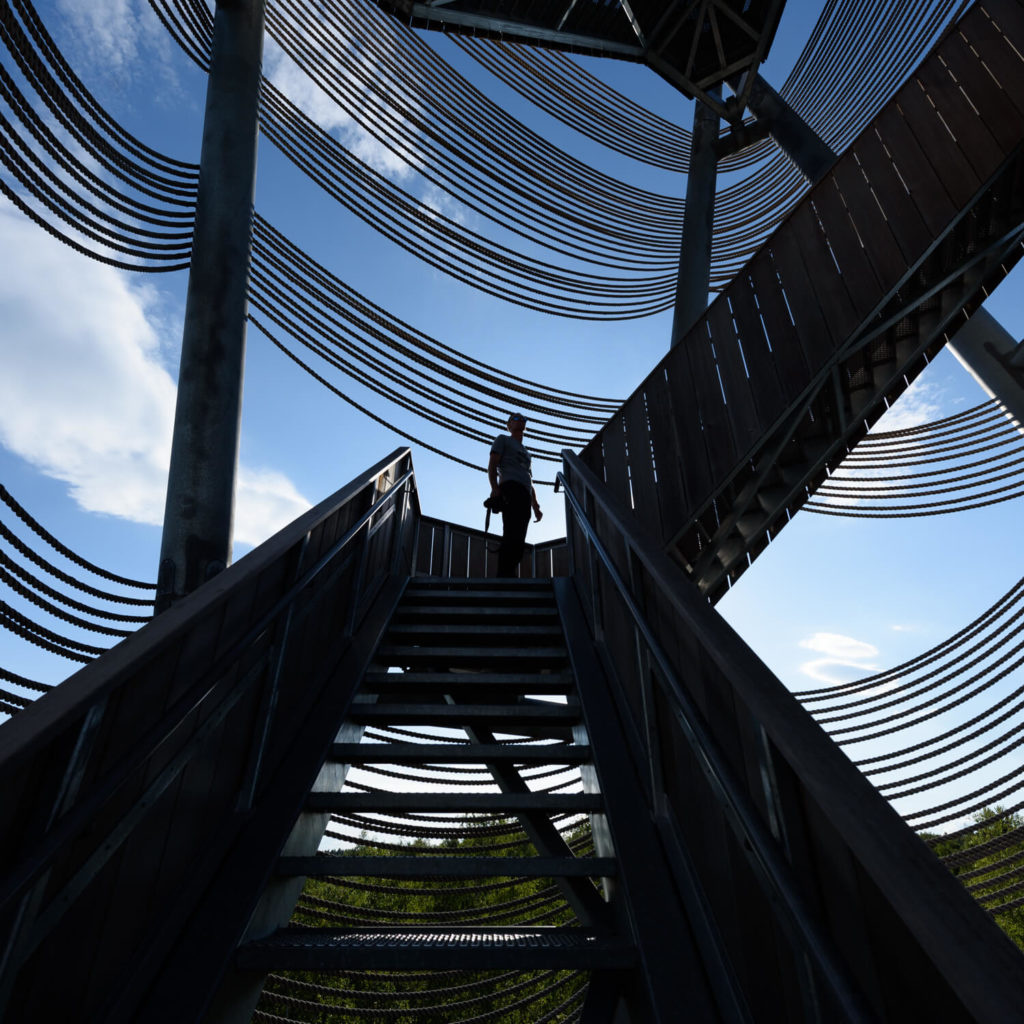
pixel 85 393
pixel 265 501
pixel 919 404
pixel 841 652
pixel 124 39
pixel 282 71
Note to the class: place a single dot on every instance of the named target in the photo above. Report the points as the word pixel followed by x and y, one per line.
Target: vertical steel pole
pixel 198 516
pixel 698 223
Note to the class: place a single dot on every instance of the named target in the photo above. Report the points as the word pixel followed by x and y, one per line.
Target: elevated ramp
pixel 836 314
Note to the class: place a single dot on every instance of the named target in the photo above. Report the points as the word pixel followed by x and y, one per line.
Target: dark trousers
pixel 514 520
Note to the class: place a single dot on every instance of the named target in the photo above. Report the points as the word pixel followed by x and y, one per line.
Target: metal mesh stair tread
pixel 388 802
pixel 467 609
pixel 470 948
pixel 531 682
pixel 430 866
pixel 446 753
pixel 457 654
pixel 400 631
pixel 499 714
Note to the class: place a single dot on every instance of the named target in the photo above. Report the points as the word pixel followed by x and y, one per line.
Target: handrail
pixel 756 841
pixel 161 732
pixel 100 679
pixel 921 928
pixel 114 741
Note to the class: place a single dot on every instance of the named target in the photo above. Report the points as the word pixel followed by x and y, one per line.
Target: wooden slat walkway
pixel 837 312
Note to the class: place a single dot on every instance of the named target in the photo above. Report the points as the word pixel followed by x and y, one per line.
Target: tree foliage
pixel 431 997
pixel 989 860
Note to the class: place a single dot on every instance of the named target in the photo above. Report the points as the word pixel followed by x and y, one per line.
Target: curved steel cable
pixel 890 474
pixel 954 715
pixel 33 593
pixel 78 173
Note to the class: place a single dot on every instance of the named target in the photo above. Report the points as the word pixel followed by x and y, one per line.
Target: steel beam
pixel 196 542
pixel 801 143
pixel 994 358
pixel 698 223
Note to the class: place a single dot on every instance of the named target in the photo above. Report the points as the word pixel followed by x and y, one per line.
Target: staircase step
pixel 307 949
pixel 427 632
pixel 450 753
pixel 469 803
pixel 504 598
pixel 505 717
pixel 407 654
pixel 487 583
pixel 465 612
pixel 447 867
pixel 445 682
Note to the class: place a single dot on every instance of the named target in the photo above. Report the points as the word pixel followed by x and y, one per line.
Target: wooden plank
pixel 716 432
pixel 1001 116
pixel 855 265
pixel 526 564
pixel 477 557
pixel 903 218
pixel 924 186
pixel 641 464
pixel 747 427
pixel 824 274
pixel 560 560
pixel 972 135
pixel 1000 47
pixel 881 246
pixel 458 566
pixel 666 450
pixel 782 337
pixel 816 336
pixel 764 376
pixel 951 165
pixel 692 453
pixel 424 549
pixel 613 440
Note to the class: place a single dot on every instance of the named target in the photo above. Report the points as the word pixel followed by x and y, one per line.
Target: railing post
pixel 196 542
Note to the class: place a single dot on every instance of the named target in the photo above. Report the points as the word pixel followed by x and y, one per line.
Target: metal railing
pixel 854 918
pixel 167 747
pixel 460 552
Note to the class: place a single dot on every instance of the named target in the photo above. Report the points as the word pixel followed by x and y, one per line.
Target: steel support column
pixel 809 153
pixel 993 357
pixel 198 515
pixel 698 223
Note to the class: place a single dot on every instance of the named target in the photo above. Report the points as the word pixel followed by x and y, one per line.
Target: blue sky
pixel 90 357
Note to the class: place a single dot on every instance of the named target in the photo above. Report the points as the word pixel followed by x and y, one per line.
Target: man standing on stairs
pixel 509 473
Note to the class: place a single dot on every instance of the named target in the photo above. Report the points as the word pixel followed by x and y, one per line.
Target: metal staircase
pixel 681 832
pixel 471 679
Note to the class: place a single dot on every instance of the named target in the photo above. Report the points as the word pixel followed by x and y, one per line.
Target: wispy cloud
pixel 86 394
pixel 840 652
pixel 919 404
pixel 313 101
pixel 117 40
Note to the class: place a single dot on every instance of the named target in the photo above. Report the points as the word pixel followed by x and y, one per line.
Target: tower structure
pixel 738 862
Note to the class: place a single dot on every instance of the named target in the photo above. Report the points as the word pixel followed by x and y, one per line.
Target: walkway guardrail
pixel 164 752
pixel 461 552
pixel 828 907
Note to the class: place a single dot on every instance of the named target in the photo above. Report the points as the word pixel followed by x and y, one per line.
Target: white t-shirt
pixel 513 461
